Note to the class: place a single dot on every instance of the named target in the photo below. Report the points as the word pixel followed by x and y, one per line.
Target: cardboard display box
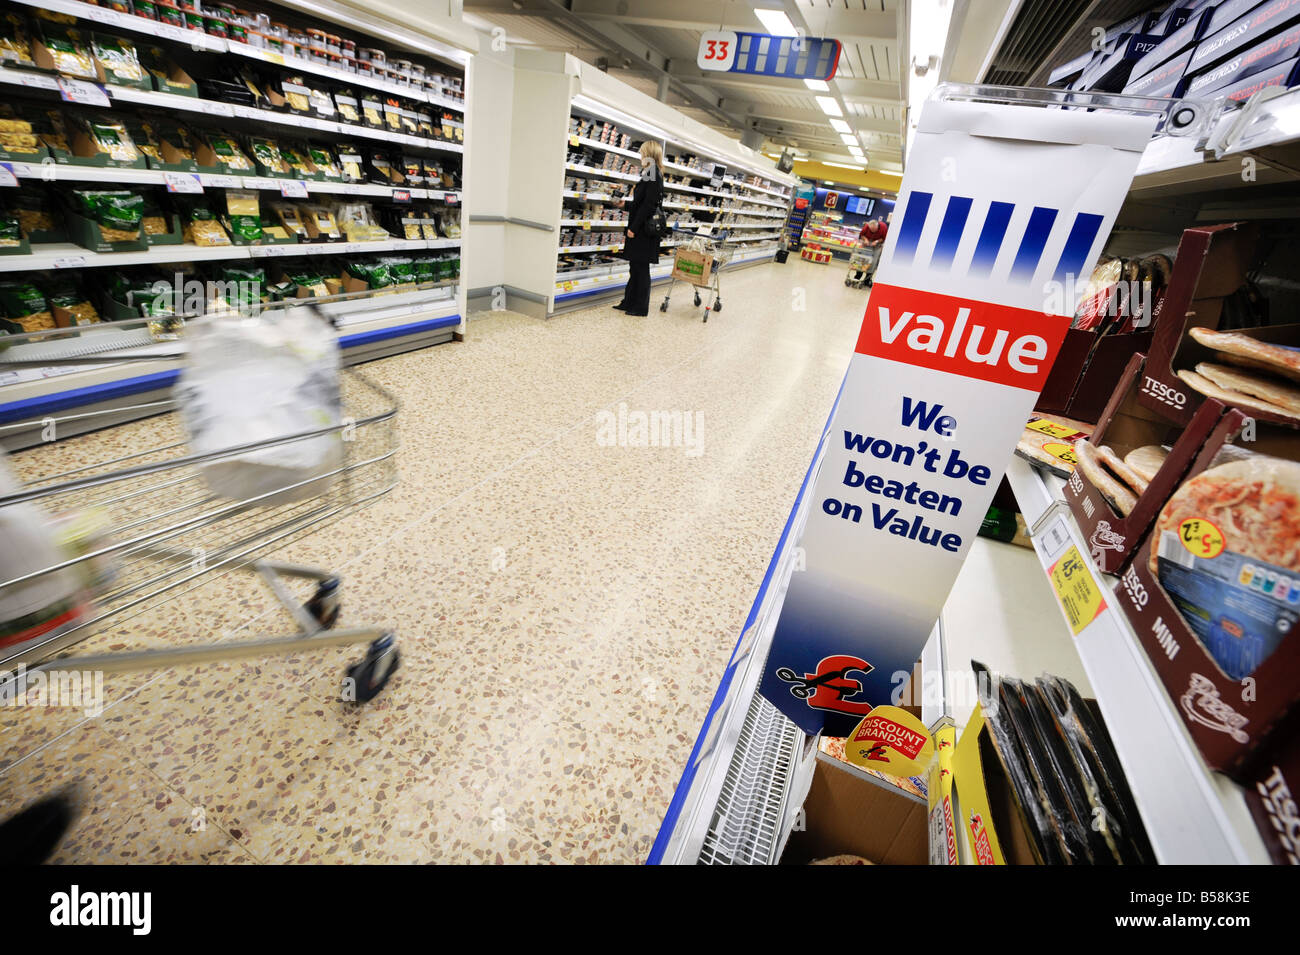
pixel 1087 370
pixel 848 812
pixel 1273 795
pixel 1231 720
pixel 1210 264
pixel 988 824
pixel 1124 425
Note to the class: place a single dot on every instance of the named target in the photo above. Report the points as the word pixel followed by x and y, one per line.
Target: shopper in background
pixel 873 232
pixel 641 246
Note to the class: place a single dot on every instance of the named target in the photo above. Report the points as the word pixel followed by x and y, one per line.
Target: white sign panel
pixel 717 51
pixel 1001 212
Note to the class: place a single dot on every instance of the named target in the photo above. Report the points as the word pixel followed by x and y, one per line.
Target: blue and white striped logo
pixel 993 237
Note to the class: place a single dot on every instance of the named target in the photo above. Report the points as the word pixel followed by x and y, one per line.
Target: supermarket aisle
pixel 564 607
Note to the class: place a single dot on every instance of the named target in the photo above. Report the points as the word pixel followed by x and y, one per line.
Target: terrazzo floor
pixel 564 608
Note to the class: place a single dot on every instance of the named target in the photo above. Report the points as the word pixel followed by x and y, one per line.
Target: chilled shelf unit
pixel 152 145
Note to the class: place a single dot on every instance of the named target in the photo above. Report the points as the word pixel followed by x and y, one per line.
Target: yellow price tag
pixel 1076 590
pixel 1202 538
pixel 573 140
pixel 1062 452
pixel 586 227
pixel 275 58
pixel 1053 430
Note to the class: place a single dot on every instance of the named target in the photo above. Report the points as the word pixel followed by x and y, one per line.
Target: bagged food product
pixel 108 135
pixel 374 273
pixel 244 216
pixel 229 153
pixel 118 59
pixel 1226 547
pixel 324 223
pixel 25 305
pixel 69 51
pixel 202 228
pixel 372 111
pixel 70 305
pixel 351 163
pixel 256 381
pixel 290 219
pixel 117 213
pixel 297 95
pixel 11 232
pixel 267 155
pixel 325 164
pixel 348 106
pixel 47 604
pixel 295 157
pixel 181 144
pixel 15 42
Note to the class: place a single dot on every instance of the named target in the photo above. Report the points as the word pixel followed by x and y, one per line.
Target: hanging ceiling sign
pixel 784 57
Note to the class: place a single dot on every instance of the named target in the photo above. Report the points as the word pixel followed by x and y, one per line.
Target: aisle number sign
pixel 1002 209
pixel 760 54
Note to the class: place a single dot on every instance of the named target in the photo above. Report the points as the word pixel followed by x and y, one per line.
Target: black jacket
pixel 645 199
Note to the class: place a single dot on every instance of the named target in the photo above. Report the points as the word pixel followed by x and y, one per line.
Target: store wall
pixel 487 169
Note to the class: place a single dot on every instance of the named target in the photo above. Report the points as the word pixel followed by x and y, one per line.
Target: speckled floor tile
pixel 564 609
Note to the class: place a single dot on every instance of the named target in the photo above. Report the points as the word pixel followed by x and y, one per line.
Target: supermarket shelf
pixel 596 144
pixel 198 40
pixel 68 172
pixel 193 104
pixel 1192 815
pixel 596 223
pixel 601 173
pixel 570 249
pixel 65 255
pixel 591 196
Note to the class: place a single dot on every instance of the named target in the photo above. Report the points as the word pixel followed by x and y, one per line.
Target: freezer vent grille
pixel 1055 29
pixel 746 821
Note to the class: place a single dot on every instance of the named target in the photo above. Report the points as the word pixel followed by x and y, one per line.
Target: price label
pixel 293 189
pixel 1202 538
pixel 7 177
pixel 221 182
pixel 218 109
pixel 37 81
pixel 1062 452
pixel 573 139
pixel 86 94
pixel 586 227
pixel 451 198
pixel 276 58
pixel 1076 590
pixel 69 262
pixel 569 286
pixel 182 182
pixel 100 15
pixel 254 182
pixel 401 195
pixel 1054 430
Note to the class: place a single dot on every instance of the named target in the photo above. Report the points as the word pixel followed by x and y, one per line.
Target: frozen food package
pixel 1226 548
pixel 253 382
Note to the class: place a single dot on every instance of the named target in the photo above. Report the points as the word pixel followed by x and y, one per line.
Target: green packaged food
pixel 118 57
pixel 11 233
pixel 15 42
pixel 229 153
pixel 23 302
pixel 267 155
pixel 117 214
pixel 324 162
pixel 69 51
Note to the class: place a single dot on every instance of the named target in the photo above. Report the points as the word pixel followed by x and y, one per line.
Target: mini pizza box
pixel 850 812
pixel 1231 720
pixel 1210 264
pixel 1123 426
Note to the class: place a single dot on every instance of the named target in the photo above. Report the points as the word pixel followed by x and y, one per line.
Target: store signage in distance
pixel 1001 208
pixel 759 54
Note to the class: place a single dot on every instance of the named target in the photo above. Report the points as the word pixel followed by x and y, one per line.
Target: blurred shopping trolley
pixel 862 266
pixel 698 261
pixel 140 525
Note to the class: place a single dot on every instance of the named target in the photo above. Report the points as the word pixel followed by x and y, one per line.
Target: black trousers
pixel 637 294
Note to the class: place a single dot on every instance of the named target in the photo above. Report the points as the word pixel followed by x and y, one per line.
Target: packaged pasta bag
pixel 243 216
pixel 25 306
pixel 15 42
pixel 270 384
pixel 229 154
pixel 118 58
pixel 69 50
pixel 266 154
pixel 117 213
pixel 203 228
pixel 108 135
pixel 1226 548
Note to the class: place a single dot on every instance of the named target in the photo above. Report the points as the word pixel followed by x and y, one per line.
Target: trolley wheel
pixel 663 306
pixel 372 673
pixel 848 283
pixel 717 304
pixel 697 299
pixel 326 602
pixel 706 314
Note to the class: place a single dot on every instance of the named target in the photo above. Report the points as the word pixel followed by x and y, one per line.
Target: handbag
pixel 657 224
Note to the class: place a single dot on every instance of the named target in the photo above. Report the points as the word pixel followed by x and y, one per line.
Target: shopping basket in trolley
pixel 701 267
pixel 159 532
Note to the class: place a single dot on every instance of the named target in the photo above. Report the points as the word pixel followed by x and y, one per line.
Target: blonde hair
pixel 650 149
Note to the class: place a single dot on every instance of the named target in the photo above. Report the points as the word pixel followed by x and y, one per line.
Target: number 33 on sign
pixel 717 51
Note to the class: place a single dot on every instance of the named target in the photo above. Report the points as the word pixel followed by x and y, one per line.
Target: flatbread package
pixel 1048 441
pixel 1147 460
pixel 1250 352
pixel 1226 548
pixel 1097 465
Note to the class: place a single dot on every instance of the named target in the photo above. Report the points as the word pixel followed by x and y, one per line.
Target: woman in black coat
pixel 640 247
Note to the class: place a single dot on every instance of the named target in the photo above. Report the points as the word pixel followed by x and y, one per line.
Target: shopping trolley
pixel 701 267
pixel 159 531
pixel 862 266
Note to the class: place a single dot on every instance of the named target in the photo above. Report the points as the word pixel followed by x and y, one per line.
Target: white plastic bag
pixel 253 380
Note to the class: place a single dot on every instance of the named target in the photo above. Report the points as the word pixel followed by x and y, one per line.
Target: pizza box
pixel 1204 20
pixel 1123 426
pixel 1242 34
pixel 1233 719
pixel 1210 264
pixel 850 812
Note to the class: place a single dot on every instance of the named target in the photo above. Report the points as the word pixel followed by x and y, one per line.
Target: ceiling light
pixel 857 151
pixel 840 126
pixel 829 106
pixel 821 86
pixel 849 139
pixel 827 182
pixel 776 23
